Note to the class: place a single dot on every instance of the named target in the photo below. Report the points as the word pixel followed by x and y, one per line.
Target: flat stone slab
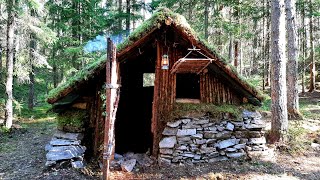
pixel 230 126
pixel 70 136
pixel 186 132
pixel 168 131
pixel 61 155
pixel 75 149
pixel 235 155
pixel 63 142
pixel 261 140
pixel 77 164
pixel 174 124
pixel 128 165
pixel 227 143
pixel 168 142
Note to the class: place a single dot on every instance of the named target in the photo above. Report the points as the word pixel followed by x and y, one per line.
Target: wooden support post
pixel 112 99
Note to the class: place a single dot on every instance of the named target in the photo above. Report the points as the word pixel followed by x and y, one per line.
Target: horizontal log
pixel 186 100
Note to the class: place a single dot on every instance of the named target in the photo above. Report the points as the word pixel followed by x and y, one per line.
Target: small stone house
pixel 162 64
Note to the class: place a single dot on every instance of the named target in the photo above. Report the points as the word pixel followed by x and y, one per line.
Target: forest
pixel 272 44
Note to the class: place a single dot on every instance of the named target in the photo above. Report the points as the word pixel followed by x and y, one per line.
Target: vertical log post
pixel 112 99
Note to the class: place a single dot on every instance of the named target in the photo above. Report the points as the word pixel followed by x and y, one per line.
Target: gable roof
pixel 157 20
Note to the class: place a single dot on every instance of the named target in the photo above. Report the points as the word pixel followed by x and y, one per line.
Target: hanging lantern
pixel 165 62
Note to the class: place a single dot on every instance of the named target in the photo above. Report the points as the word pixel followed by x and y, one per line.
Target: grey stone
pixel 201 141
pixel 231 149
pixel 168 131
pixel 218 159
pixel 50 163
pixel 227 143
pixel 164 162
pixel 230 126
pixel 213 128
pixel 222 153
pixel 188 155
pixel 48 147
pixel 78 150
pixel 238 124
pixel 166 151
pixel 204 121
pixel 235 155
pixel 255 126
pixel 174 124
pixel 191 125
pixel 70 136
pixel 168 142
pixel 183 147
pixel 197 136
pixel 240 146
pixel 211 141
pixel 209 135
pixel 249 114
pixel 207 125
pixel 220 128
pixel 197 157
pixel 185 121
pixel 63 142
pixel 61 155
pixel 186 132
pixel 128 165
pixel 77 164
pixel 261 140
pixel 186 138
pixel 167 156
pixel 117 156
pixel 207 150
pixel 223 135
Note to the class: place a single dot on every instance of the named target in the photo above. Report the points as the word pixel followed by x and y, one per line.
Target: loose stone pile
pixel 65 147
pixel 193 140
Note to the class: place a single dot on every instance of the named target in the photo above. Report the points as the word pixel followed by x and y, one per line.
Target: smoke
pixel 99 43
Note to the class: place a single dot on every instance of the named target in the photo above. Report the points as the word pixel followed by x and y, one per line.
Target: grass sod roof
pixel 156 21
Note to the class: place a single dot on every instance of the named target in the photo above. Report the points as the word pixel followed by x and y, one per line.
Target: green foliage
pixel 297 138
pixel 74 118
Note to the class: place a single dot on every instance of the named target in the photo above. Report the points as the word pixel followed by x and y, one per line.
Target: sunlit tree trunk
pixel 9 63
pixel 312 59
pixel 128 16
pixel 292 68
pixel 279 118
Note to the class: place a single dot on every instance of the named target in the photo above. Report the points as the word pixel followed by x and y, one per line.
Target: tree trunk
pixel 134 11
pixel 120 19
pixel 279 118
pixel 9 63
pixel 128 17
pixel 254 60
pixel 304 44
pixel 268 60
pixel 32 49
pixel 312 59
pixel 206 19
pixel 292 70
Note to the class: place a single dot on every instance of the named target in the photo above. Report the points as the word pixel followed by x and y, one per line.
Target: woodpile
pixel 200 140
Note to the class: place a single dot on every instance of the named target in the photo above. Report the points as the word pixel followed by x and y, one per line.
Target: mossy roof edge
pixel 155 21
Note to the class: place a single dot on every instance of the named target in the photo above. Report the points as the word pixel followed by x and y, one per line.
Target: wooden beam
pixel 112 99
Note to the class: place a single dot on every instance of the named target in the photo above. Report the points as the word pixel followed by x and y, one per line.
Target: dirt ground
pixel 22 157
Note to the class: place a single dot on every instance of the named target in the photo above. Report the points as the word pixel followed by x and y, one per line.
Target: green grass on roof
pixel 83 74
pixel 156 20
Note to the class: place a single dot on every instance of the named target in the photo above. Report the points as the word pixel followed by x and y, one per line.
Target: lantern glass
pixel 165 62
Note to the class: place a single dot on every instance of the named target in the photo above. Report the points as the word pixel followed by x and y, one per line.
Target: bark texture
pixel 279 118
pixel 292 68
pixel 312 59
pixel 10 52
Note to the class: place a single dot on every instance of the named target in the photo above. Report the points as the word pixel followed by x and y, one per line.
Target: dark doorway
pixel 133 121
pixel 188 86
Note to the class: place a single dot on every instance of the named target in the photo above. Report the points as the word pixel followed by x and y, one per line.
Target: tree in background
pixel 279 118
pixel 292 68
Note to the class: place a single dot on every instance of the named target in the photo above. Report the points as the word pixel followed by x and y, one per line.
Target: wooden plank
pixel 186 100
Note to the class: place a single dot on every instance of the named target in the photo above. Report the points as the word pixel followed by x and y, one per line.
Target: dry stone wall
pixel 198 140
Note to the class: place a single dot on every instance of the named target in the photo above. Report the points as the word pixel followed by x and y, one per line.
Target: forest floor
pixel 22 155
